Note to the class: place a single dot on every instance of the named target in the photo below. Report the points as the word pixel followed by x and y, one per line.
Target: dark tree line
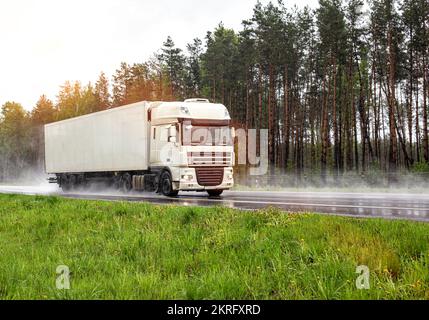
pixel 343 87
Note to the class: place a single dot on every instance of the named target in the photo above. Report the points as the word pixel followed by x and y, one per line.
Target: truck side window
pixel 163 134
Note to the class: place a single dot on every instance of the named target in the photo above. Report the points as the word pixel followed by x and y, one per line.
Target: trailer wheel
pixel 65 183
pixel 126 183
pixel 116 182
pixel 214 193
pixel 167 185
pixel 81 182
pixel 72 182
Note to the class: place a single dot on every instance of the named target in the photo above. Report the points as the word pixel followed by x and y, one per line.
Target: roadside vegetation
pixel 118 250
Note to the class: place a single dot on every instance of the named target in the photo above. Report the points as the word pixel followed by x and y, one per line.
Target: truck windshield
pixel 207 136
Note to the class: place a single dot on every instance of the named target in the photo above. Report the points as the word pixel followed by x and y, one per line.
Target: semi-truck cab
pixel 192 143
pixel 164 147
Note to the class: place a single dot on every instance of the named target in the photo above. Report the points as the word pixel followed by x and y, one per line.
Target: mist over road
pixel 384 205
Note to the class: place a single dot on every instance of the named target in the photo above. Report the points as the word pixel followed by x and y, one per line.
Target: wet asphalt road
pixel 370 205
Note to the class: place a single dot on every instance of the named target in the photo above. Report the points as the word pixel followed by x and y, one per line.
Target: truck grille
pixel 209 177
pixel 210 158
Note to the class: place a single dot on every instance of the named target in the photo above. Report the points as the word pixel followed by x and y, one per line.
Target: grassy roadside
pixel 142 251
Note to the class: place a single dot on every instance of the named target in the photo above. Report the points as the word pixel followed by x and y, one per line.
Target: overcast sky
pixel 45 42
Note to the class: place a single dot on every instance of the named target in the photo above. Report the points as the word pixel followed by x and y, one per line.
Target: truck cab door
pixel 168 149
pixel 164 145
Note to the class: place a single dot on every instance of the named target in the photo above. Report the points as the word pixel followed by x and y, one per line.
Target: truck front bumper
pixel 187 180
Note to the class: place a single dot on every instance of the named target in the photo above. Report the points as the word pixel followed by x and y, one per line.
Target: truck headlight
pixel 229 173
pixel 188 177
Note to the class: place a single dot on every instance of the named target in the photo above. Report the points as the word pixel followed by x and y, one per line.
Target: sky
pixel 43 43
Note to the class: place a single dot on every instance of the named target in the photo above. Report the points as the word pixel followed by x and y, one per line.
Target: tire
pixel 116 183
pixel 81 182
pixel 126 183
pixel 166 185
pixel 65 183
pixel 65 187
pixel 73 182
pixel 214 193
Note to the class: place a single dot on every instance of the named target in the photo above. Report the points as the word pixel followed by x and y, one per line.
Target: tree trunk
pixel 286 118
pixel 324 128
pixel 425 112
pixel 393 153
pixel 271 107
pixel 410 103
pixel 417 124
pixel 334 117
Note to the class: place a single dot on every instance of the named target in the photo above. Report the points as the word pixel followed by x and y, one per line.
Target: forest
pixel 341 88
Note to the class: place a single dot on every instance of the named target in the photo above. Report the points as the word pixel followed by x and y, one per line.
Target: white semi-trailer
pixel 165 147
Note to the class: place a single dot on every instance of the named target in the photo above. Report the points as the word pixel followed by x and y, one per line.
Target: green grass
pixel 141 251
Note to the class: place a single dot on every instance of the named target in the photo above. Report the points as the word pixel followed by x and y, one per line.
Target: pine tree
pixel 44 111
pixel 102 93
pixel 174 62
pixel 331 26
pixel 193 68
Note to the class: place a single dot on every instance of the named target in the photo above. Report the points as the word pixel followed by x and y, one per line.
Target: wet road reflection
pixel 386 205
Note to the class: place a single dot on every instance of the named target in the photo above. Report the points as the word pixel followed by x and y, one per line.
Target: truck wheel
pixel 116 182
pixel 65 183
pixel 73 182
pixel 167 185
pixel 126 183
pixel 214 193
pixel 81 182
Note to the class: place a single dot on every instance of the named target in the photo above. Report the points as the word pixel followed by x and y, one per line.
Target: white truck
pixel 164 147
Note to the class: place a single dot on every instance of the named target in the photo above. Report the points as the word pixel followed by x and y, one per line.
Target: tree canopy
pixel 341 87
